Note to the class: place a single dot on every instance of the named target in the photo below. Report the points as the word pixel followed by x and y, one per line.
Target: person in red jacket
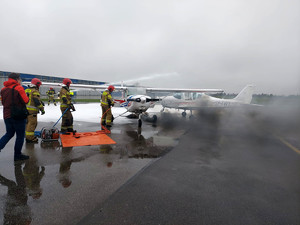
pixel 13 125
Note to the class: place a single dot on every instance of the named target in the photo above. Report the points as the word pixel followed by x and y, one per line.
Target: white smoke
pixel 147 77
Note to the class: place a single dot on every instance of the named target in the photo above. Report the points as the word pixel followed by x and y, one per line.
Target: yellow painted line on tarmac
pixel 288 144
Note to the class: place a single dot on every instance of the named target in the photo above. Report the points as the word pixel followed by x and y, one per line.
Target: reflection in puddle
pixel 152 147
pixel 50 145
pixel 65 167
pixel 16 209
pixel 33 173
pixel 107 152
pixel 164 141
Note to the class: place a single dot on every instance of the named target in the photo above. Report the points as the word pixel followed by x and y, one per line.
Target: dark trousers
pixel 14 126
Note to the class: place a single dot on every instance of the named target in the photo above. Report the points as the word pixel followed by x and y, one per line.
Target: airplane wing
pixel 183 90
pixel 124 88
pixel 97 87
pixel 81 86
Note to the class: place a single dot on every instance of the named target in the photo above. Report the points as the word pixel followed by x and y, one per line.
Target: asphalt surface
pixel 230 168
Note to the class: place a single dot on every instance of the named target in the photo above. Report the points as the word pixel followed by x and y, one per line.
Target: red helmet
pixel 36 82
pixel 51 88
pixel 67 81
pixel 111 88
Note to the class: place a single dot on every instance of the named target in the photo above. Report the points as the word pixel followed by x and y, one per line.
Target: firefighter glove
pixel 71 106
pixel 43 112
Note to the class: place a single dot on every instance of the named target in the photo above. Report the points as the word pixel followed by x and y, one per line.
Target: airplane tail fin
pixel 245 95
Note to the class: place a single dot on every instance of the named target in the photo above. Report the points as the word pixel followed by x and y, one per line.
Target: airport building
pixel 54 79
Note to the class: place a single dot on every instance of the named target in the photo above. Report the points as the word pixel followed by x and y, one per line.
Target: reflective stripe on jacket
pixel 34 105
pixel 64 97
pixel 50 93
pixel 106 97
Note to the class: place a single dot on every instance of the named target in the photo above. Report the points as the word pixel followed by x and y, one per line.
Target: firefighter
pixel 34 106
pixel 106 103
pixel 66 106
pixel 50 95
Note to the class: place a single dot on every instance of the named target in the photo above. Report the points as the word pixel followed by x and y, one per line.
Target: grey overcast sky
pixel 208 44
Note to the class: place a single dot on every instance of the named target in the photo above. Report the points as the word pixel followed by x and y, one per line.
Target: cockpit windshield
pixel 177 95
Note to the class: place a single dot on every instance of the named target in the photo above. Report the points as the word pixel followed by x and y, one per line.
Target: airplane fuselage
pixel 203 101
pixel 138 103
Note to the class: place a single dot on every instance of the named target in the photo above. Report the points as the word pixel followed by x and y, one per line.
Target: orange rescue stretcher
pixel 86 138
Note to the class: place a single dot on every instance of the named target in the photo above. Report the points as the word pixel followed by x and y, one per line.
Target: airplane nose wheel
pixel 154 118
pixel 183 114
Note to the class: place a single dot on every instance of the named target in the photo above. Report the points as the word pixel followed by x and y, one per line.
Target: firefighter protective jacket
pixel 65 97
pixel 106 99
pixel 50 92
pixel 35 104
pixel 20 97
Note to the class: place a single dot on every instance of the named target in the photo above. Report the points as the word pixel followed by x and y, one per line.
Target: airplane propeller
pixel 133 100
pixel 152 100
pixel 139 100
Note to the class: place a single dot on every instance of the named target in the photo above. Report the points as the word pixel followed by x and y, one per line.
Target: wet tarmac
pixel 62 185
pixel 220 168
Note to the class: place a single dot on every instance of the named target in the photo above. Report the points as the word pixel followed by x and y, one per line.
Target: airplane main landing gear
pixel 140 121
pixel 184 115
pixel 191 116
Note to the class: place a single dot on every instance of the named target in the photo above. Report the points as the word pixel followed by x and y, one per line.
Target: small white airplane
pixel 200 101
pixel 137 103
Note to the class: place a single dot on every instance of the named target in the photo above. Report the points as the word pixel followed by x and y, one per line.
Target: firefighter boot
pixel 70 130
pixel 34 140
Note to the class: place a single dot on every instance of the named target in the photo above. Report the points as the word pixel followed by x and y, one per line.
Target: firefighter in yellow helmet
pixel 66 106
pixel 106 103
pixel 34 106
